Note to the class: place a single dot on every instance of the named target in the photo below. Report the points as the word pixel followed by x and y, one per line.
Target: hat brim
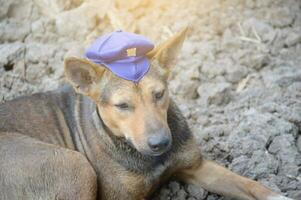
pixel 131 70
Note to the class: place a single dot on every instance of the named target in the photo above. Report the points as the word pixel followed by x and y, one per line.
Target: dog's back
pixel 41 116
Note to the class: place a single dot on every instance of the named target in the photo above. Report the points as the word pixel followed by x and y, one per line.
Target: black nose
pixel 158 143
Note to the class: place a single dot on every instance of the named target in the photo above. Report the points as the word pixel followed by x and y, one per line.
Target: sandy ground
pixel 238 80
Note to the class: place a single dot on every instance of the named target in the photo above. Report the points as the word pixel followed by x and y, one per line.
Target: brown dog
pixel 111 139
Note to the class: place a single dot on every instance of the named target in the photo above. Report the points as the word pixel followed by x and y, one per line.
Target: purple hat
pixel 123 53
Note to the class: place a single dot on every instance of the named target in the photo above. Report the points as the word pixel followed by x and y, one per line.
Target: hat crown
pixel 123 53
pixel 114 46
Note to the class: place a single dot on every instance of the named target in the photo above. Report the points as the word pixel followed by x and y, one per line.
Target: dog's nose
pixel 158 143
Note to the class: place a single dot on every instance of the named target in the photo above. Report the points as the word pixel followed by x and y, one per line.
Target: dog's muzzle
pixel 159 143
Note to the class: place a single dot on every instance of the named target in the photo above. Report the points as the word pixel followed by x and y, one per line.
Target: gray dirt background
pixel 238 79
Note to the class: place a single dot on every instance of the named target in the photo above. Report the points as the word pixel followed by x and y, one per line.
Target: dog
pixel 102 137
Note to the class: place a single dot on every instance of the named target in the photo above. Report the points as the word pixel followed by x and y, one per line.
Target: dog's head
pixel 135 111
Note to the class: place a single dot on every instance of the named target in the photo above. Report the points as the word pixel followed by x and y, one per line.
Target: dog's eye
pixel 159 95
pixel 122 106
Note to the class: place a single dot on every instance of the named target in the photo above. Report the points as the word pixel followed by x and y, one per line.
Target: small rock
pixel 215 93
pixel 235 73
pixel 212 70
pixel 293 38
pixel 8 31
pixel 256 60
pixel 164 193
pixel 280 16
pixel 181 194
pixel 260 164
pixel 21 10
pixel 174 187
pixel 195 191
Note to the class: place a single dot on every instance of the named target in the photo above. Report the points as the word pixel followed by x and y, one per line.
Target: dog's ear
pixel 82 74
pixel 167 52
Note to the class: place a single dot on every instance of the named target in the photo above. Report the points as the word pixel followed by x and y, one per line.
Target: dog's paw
pixel 279 197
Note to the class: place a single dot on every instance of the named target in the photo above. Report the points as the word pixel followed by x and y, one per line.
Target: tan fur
pixel 216 178
pixel 130 125
pixel 133 125
pixel 117 178
pixel 135 184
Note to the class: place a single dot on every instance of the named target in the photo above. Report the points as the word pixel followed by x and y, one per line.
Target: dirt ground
pixel 238 79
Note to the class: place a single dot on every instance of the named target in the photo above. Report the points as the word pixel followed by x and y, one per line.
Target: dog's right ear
pixel 82 74
pixel 167 52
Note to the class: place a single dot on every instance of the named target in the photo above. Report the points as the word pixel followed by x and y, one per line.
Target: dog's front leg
pixel 220 180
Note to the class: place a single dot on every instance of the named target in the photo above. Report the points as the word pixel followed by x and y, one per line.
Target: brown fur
pixel 132 125
pixel 71 140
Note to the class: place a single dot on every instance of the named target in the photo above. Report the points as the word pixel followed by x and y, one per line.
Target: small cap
pixel 123 53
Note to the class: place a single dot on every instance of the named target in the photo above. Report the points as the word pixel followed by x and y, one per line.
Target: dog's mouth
pixel 153 153
pixel 159 153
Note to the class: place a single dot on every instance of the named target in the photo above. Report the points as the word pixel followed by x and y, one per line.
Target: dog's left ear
pixel 167 52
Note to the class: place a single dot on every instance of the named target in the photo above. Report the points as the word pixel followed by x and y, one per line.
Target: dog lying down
pixel 113 134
